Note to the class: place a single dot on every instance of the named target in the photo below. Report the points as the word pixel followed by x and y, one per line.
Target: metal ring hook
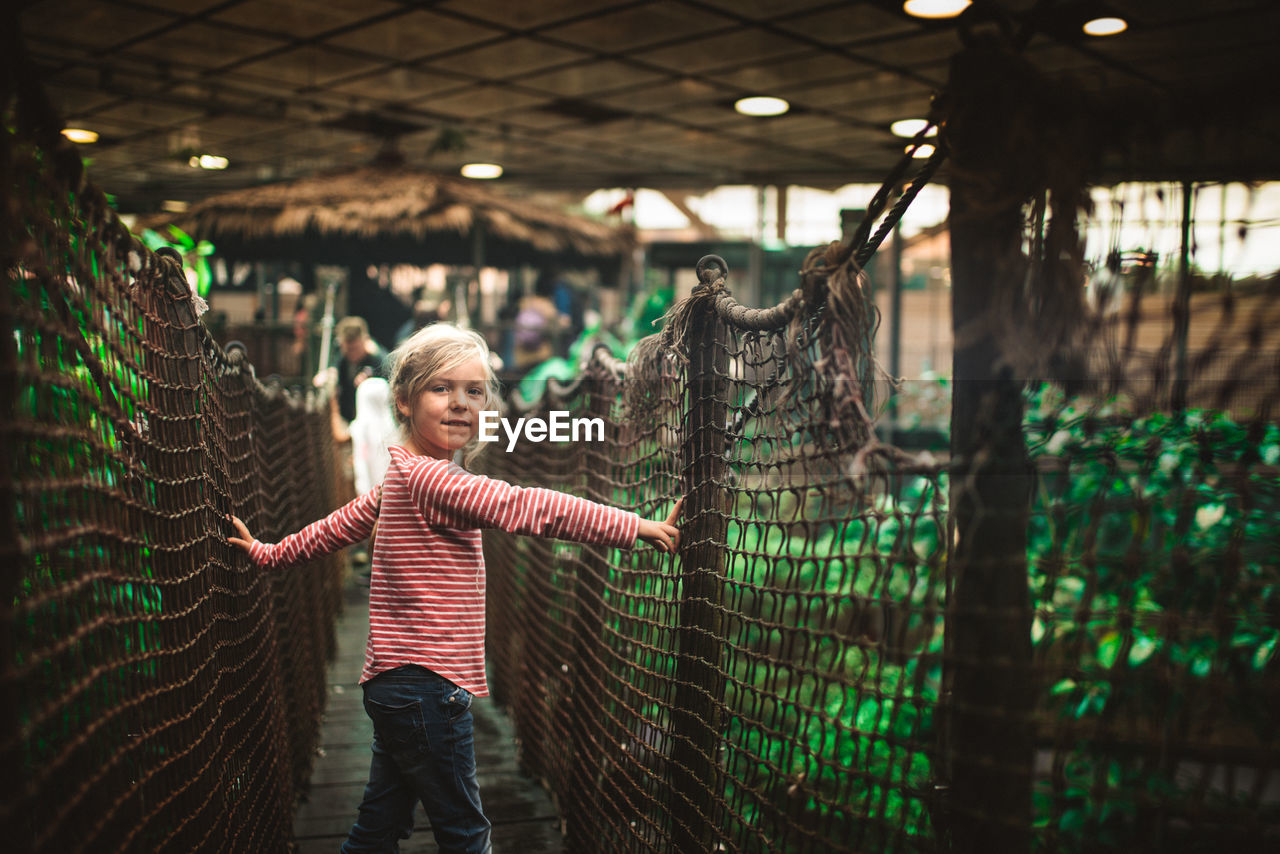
pixel 707 261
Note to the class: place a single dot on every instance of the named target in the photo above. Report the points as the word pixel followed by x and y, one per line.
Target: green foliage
pixel 534 383
pixel 852 727
pixel 648 306
pixel 1152 574
pixel 1152 567
pixel 195 255
pixel 924 401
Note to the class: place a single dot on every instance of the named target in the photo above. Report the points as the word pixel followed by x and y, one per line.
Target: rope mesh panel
pixel 781 686
pixel 775 689
pixel 159 693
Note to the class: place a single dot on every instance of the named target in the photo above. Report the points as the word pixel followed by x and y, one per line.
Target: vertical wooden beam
pixel 781 225
pixel 987 746
pixel 1182 306
pixel 895 319
pixel 698 711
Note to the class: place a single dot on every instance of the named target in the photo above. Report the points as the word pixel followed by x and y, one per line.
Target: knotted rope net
pixel 157 693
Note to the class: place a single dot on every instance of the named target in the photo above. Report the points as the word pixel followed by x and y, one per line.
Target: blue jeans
pixel 423 750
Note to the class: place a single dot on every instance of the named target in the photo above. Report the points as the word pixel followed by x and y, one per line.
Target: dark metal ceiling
pixel 580 94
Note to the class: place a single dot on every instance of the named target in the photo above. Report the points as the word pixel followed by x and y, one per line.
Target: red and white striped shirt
pixel 426 593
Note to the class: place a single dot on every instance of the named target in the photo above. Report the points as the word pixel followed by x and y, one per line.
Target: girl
pixel 425 656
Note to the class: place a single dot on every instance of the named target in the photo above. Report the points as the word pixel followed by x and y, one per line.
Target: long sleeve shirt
pixel 427 588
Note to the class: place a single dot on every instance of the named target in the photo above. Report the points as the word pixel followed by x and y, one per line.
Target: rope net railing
pixel 774 688
pixel 1060 636
pixel 158 693
pixel 788 683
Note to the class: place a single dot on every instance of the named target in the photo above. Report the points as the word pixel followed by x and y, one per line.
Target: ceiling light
pixel 208 161
pixel 80 135
pixel 935 8
pixel 482 171
pixel 907 128
pixel 1106 26
pixel 761 105
pixel 920 152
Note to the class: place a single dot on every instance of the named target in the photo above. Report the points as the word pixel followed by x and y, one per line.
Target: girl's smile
pixel 445 416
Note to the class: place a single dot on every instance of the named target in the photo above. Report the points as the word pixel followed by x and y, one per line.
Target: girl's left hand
pixel 664 536
pixel 245 540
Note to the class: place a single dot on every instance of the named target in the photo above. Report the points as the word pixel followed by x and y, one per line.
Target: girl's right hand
pixel 664 536
pixel 245 540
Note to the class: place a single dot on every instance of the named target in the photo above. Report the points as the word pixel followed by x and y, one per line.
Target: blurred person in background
pixel 360 359
pixel 535 330
pixel 304 321
pixel 568 303
pixel 373 432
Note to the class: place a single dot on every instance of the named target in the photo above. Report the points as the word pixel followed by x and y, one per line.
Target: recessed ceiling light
pixel 1106 26
pixel 761 105
pixel 920 152
pixel 907 128
pixel 935 8
pixel 482 171
pixel 80 135
pixel 208 161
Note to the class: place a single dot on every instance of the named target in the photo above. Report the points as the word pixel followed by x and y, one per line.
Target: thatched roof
pixel 395 213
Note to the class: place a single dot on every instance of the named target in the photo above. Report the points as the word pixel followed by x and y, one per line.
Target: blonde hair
pixel 430 352
pixel 351 328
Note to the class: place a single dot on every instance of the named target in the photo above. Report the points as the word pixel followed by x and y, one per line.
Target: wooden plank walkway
pixel 524 818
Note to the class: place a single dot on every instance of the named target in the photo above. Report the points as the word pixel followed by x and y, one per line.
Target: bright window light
pixel 1106 26
pixel 907 128
pixel 935 8
pixel 80 135
pixel 921 152
pixel 761 105
pixel 482 171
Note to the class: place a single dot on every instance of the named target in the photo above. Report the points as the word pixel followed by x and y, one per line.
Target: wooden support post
pixel 1182 307
pixel 698 711
pixel 986 749
pixel 780 227
pixel 895 319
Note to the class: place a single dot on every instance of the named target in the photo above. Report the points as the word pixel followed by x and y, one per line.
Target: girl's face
pixel 446 415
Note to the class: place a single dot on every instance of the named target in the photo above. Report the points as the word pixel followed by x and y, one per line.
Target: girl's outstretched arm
pixel 342 527
pixel 449 496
